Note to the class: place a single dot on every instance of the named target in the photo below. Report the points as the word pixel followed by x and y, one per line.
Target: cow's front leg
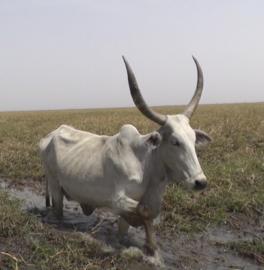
pixel 127 208
pixel 148 215
pixel 151 243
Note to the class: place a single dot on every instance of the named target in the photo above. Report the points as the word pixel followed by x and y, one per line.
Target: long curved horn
pixel 191 107
pixel 138 99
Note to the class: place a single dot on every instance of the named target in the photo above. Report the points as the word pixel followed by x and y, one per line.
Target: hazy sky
pixel 67 53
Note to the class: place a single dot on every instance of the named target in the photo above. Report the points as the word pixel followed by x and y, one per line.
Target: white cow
pixel 126 172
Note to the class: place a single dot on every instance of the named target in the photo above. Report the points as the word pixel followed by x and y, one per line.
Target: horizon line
pixel 129 107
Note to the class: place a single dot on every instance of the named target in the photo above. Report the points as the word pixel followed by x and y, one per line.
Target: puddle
pixel 178 251
pixel 224 234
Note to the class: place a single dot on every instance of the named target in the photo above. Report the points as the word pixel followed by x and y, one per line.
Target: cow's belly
pixel 100 192
pixel 94 192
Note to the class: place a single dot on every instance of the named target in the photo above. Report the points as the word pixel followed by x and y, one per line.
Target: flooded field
pixel 219 228
pixel 206 250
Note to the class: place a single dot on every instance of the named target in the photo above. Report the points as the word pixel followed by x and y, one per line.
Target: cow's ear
pixel 202 138
pixel 154 140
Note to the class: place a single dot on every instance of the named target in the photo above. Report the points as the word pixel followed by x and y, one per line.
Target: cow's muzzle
pixel 200 184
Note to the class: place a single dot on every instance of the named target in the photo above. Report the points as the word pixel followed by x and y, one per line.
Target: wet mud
pixel 204 250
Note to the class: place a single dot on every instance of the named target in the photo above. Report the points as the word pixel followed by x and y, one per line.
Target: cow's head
pixel 177 147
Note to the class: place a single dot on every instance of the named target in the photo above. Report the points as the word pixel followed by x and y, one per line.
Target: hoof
pixel 52 217
pixel 150 250
pixel 124 240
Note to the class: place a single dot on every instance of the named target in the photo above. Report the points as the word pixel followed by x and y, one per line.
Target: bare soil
pixel 205 250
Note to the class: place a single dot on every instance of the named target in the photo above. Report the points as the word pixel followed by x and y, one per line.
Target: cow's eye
pixel 176 142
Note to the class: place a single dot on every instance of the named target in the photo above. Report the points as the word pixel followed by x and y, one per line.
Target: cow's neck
pixel 156 179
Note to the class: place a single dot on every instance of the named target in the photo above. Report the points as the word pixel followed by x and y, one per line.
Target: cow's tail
pixel 47 196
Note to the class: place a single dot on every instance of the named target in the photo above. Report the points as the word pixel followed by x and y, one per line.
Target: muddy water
pixel 178 251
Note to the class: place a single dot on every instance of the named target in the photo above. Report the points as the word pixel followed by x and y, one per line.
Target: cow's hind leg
pixel 123 227
pixel 57 197
pixel 57 203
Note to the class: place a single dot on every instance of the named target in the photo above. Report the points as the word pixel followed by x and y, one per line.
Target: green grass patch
pixel 252 249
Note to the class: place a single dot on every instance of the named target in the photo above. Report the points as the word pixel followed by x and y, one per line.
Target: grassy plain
pixel 233 163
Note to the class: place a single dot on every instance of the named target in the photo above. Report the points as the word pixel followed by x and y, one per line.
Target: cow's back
pixel 67 145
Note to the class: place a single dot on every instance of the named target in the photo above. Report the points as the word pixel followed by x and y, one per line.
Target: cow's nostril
pixel 200 184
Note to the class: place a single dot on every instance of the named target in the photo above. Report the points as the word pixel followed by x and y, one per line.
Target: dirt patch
pixel 206 250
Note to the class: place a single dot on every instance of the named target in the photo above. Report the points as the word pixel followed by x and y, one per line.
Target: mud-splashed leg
pixel 58 206
pixel 47 197
pixel 57 199
pixel 55 213
pixel 151 244
pixel 54 189
pixel 123 227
